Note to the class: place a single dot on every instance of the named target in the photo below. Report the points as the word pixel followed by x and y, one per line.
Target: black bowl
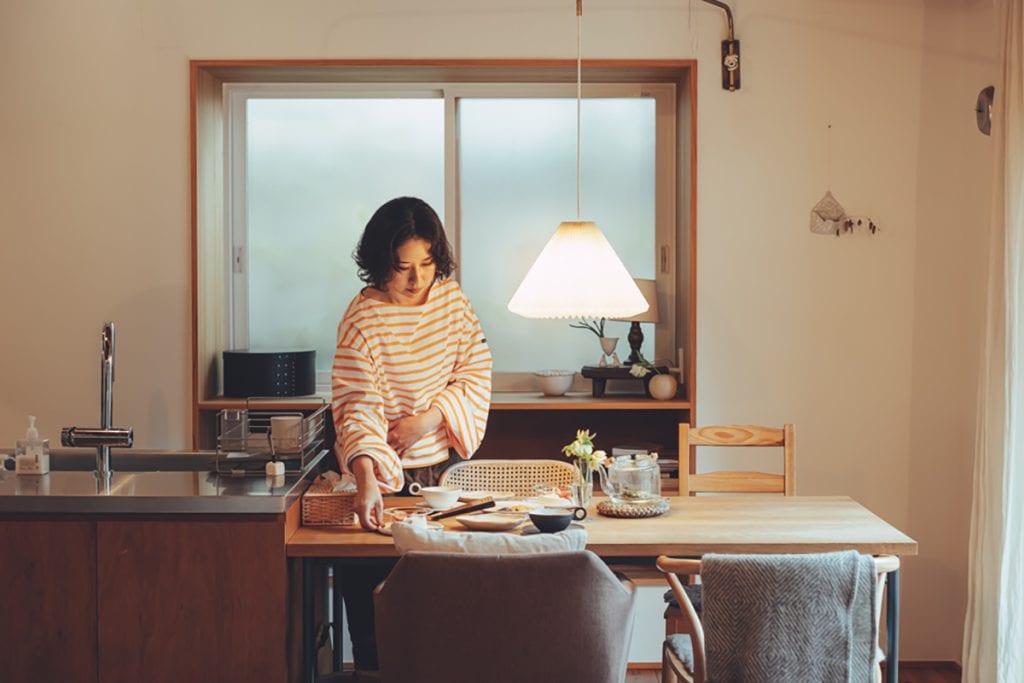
pixel 551 520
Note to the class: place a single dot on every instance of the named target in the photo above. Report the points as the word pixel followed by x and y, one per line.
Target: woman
pixel 411 380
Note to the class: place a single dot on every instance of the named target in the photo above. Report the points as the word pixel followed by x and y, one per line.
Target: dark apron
pixel 429 475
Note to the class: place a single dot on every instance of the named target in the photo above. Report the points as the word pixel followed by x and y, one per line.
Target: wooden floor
pixel 915 673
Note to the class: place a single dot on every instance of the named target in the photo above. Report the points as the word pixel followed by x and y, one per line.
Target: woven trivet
pixel 635 510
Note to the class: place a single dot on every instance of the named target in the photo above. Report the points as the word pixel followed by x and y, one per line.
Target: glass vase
pixel 583 490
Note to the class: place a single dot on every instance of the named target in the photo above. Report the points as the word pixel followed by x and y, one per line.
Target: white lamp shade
pixel 649 288
pixel 577 275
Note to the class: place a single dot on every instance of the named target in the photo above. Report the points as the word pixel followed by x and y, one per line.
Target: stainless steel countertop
pixel 150 492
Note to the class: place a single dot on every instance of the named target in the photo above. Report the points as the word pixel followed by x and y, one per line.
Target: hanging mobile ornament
pixel 828 217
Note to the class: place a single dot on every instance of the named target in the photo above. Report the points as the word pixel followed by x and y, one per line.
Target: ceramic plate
pixel 551 501
pixel 386 529
pixel 473 496
pixel 520 507
pixel 491 521
pixel 427 506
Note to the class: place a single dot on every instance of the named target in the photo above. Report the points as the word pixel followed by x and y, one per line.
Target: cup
pixel 550 520
pixel 437 497
pixel 285 433
pixel 417 521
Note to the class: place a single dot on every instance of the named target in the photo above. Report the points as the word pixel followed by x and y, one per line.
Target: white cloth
pixel 994 626
pixel 407 537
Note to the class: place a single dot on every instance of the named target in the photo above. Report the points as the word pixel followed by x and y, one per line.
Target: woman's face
pixel 413 275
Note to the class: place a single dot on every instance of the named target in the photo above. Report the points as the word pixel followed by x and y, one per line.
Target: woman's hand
pixel 369 505
pixel 405 431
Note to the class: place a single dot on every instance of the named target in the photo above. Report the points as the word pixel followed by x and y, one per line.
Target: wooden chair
pixel 691 483
pixel 464 618
pixel 511 476
pixel 683 654
pixel 728 482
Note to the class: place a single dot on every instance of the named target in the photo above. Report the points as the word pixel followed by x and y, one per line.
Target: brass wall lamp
pixel 730 52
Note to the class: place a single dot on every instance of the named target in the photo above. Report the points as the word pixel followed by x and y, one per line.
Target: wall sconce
pixel 983 109
pixel 730 52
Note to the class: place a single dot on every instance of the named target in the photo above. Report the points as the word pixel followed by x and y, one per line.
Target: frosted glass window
pixel 517 170
pixel 317 169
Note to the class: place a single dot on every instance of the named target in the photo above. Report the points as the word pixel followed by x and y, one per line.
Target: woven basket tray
pixel 323 507
pixel 610 509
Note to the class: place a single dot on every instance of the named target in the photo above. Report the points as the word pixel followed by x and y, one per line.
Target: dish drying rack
pixel 245 444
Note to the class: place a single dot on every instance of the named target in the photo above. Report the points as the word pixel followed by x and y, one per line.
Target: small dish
pixel 516 507
pixel 491 521
pixel 473 496
pixel 552 501
pixel 386 529
pixel 425 506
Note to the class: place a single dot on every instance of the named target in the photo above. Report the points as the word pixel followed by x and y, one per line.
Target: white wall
pixel 953 205
pixel 862 341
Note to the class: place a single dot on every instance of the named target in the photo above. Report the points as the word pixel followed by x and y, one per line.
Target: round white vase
pixel 662 387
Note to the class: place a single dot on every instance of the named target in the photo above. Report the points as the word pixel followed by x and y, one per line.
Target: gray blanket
pixel 793 618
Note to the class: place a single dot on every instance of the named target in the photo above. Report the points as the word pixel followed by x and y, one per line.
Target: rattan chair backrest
pixel 518 477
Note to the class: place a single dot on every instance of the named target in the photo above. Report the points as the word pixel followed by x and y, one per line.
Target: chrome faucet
pixel 105 436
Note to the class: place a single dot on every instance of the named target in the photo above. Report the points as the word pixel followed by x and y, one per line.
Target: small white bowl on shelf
pixel 554 382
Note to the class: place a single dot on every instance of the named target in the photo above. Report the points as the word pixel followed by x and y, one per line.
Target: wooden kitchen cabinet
pixel 192 600
pixel 158 598
pixel 48 598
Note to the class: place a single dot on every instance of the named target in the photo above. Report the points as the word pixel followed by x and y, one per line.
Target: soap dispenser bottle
pixel 32 454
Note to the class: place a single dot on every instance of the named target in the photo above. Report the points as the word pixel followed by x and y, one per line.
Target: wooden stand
pixel 600 376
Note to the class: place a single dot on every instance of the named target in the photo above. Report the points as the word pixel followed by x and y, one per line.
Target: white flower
pixel 638 370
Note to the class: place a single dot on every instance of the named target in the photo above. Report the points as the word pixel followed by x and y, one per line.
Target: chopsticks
pixel 482 504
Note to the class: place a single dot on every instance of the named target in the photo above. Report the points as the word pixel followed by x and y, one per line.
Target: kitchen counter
pixel 132 580
pixel 194 491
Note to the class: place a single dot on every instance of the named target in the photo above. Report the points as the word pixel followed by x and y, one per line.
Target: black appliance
pixel 269 373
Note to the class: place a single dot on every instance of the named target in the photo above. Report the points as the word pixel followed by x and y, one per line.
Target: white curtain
pixel 994 628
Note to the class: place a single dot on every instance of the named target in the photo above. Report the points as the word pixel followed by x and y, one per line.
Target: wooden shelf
pixel 531 400
pixel 500 400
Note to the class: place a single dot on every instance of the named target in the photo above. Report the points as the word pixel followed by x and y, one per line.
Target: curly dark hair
pixel 391 226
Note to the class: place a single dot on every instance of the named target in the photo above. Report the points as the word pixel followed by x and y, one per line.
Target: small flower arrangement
pixel 643 367
pixel 587 458
pixel 595 326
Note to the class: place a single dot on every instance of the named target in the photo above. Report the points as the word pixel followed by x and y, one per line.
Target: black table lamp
pixel 636 336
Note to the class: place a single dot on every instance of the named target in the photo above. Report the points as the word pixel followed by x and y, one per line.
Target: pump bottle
pixel 32 454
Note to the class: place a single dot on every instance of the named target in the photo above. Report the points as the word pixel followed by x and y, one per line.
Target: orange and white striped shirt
pixel 393 361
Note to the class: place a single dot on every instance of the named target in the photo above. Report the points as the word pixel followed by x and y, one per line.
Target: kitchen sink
pixel 84 460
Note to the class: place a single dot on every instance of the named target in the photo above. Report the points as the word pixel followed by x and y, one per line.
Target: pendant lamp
pixel 577 274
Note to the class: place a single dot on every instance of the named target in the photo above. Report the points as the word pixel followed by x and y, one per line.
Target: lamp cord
pixel 828 155
pixel 579 97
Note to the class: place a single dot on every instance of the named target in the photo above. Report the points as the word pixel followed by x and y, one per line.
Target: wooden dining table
pixel 692 527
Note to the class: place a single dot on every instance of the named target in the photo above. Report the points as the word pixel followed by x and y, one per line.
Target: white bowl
pixel 554 382
pixel 440 497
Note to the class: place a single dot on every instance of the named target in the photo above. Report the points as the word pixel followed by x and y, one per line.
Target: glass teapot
pixel 631 479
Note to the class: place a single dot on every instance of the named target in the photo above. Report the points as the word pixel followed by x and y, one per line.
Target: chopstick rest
pixel 462 509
